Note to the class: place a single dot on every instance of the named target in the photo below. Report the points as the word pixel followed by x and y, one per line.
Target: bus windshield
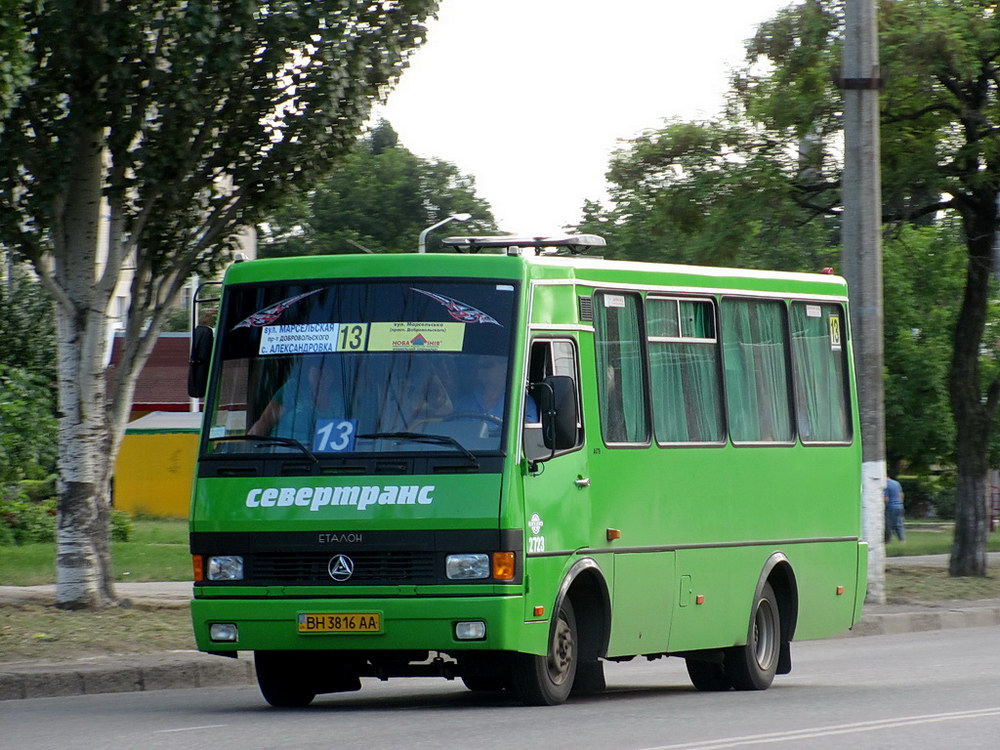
pixel 363 367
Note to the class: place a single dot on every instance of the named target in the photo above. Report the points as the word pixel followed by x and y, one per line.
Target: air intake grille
pixel 370 568
pixel 586 308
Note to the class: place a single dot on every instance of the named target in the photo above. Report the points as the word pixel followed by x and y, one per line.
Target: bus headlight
pixel 466 567
pixel 225 568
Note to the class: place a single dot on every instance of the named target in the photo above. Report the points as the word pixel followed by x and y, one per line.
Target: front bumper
pixel 408 623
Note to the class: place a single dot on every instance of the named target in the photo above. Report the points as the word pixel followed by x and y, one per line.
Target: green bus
pixel 513 462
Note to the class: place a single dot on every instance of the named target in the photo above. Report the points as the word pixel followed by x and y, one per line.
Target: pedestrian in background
pixel 893 495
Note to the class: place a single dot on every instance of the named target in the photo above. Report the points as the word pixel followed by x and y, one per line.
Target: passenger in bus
pixel 425 398
pixel 312 390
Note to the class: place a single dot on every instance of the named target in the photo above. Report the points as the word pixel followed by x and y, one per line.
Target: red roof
pixel 162 384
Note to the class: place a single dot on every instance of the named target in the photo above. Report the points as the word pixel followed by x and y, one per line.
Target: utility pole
pixel 862 264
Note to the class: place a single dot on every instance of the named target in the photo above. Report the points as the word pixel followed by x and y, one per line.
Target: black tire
pixel 280 683
pixel 752 667
pixel 484 672
pixel 708 676
pixel 589 678
pixel 547 680
pixel 483 684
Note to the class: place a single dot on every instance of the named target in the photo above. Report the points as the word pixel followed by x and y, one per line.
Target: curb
pixel 192 669
pixel 985 613
pixel 122 674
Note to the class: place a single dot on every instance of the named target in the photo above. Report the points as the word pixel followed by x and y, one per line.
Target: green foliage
pixel 13 54
pixel 27 426
pixel 27 522
pixel 710 193
pixel 121 526
pixel 379 198
pixel 27 326
pixel 212 111
pixel 923 277
pixel 928 492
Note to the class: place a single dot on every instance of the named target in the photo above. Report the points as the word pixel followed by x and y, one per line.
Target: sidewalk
pixel 161 670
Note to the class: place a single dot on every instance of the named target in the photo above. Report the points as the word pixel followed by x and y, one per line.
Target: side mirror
pixel 557 407
pixel 201 355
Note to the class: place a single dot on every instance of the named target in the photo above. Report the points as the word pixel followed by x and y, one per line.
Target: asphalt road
pixel 927 690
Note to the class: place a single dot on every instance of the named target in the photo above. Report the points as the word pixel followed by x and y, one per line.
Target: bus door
pixel 557 487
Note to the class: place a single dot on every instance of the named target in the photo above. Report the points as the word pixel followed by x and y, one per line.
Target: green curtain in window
pixel 686 400
pixel 619 370
pixel 756 363
pixel 820 399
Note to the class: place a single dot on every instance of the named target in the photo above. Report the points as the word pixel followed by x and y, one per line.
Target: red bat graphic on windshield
pixel 460 310
pixel 270 314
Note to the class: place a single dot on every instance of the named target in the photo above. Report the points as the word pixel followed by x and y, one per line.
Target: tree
pixel 13 54
pixel 941 157
pixel 922 278
pixel 27 326
pixel 378 198
pixel 148 133
pixel 714 193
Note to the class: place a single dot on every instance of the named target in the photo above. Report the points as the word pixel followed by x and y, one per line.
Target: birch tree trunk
pixel 83 559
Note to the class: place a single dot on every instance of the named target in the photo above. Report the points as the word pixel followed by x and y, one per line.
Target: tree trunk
pixel 968 551
pixel 83 559
pixel 974 414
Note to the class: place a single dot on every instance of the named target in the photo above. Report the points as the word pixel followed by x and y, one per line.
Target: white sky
pixel 532 96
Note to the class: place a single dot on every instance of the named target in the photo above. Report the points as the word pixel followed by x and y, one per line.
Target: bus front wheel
pixel 752 667
pixel 281 684
pixel 547 680
pixel 707 675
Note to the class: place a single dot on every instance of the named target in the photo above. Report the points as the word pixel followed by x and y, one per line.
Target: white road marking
pixel 189 729
pixel 829 731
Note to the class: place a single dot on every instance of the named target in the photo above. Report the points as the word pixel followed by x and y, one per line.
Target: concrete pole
pixel 862 265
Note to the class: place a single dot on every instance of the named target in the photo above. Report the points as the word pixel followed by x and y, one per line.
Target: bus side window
pixel 621 384
pixel 548 357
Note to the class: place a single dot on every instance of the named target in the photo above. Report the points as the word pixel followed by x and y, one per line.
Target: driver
pixel 486 396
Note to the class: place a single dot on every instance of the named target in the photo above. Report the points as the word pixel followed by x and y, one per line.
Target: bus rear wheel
pixel 547 680
pixel 281 684
pixel 752 667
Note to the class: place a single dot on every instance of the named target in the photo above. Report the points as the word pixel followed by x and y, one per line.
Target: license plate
pixel 340 622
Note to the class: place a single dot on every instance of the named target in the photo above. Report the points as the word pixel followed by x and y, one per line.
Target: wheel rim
pixel 561 654
pixel 765 634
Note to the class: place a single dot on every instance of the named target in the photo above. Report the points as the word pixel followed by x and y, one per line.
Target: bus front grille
pixel 369 568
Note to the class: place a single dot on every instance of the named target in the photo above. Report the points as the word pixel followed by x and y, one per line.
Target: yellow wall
pixel 154 472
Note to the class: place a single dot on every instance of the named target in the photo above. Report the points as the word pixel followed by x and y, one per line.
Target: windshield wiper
pixel 267 439
pixel 420 437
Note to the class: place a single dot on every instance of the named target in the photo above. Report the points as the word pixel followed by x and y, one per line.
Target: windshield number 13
pixel 334 435
pixel 351 337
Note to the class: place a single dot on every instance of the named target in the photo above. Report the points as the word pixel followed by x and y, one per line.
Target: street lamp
pixel 422 242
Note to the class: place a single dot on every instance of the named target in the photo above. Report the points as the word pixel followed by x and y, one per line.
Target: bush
pixel 121 526
pixel 26 521
pixel 932 492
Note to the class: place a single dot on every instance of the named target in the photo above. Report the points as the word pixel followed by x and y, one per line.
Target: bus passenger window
pixel 684 370
pixel 819 364
pixel 620 379
pixel 755 349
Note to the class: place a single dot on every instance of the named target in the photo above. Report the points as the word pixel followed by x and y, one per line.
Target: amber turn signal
pixel 503 566
pixel 198 562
